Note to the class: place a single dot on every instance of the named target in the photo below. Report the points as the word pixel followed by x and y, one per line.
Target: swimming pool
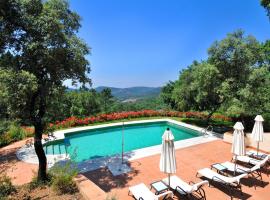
pixel 101 142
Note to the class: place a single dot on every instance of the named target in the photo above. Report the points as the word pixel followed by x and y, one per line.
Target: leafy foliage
pixel 16 103
pixel 40 43
pixel 6 187
pixel 11 132
pixel 106 99
pixel 83 103
pixel 197 88
pixel 234 79
pixel 62 178
pixel 16 132
pixel 266 5
pixel 166 94
pixel 266 54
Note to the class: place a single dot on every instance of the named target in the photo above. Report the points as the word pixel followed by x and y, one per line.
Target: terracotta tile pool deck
pixel 146 170
pixel 20 172
pixel 189 161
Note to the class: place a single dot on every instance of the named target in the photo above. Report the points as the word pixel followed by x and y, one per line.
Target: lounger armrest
pixel 178 187
pixel 165 194
pixel 262 162
pixel 202 183
pixel 255 168
pixel 51 135
pixel 198 185
pixel 140 198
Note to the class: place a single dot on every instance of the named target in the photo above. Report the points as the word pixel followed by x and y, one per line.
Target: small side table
pixel 219 167
pixel 159 187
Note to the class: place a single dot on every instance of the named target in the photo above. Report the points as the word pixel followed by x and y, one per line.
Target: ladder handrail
pixel 204 131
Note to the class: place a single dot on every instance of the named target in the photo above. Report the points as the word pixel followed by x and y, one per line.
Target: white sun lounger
pixel 239 168
pixel 184 188
pixel 230 182
pixel 253 171
pixel 252 161
pixel 142 192
pixel 261 155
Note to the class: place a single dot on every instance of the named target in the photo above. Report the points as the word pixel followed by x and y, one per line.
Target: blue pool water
pixel 102 142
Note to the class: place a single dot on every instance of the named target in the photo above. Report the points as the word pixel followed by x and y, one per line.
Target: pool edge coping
pixel 60 135
pixel 137 153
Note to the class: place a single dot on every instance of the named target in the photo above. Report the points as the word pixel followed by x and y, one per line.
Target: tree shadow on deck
pixel 178 196
pixel 254 182
pixel 106 181
pixel 266 169
pixel 7 159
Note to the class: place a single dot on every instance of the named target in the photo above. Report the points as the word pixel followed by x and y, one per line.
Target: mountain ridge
pixel 137 92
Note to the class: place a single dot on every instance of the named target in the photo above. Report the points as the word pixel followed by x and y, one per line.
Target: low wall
pixel 264 146
pixel 88 189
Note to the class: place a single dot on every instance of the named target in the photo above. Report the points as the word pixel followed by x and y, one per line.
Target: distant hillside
pixel 133 92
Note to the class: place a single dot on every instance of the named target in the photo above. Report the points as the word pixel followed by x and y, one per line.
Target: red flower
pixel 74 121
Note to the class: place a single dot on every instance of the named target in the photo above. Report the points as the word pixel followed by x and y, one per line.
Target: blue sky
pixel 147 42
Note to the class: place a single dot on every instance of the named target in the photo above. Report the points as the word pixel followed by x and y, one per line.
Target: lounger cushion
pixel 212 175
pixel 176 181
pixel 240 169
pixel 141 190
pixel 261 154
pixel 252 161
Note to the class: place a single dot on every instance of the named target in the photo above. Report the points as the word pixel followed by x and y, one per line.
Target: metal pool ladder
pixel 208 128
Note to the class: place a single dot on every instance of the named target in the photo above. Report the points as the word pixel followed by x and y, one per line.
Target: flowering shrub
pixel 29 131
pixel 15 132
pixel 74 121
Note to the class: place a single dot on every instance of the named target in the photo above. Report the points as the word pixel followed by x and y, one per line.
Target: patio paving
pixel 189 161
pixel 20 172
pixel 99 183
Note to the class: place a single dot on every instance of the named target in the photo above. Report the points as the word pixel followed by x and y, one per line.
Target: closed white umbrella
pixel 167 162
pixel 238 143
pixel 257 132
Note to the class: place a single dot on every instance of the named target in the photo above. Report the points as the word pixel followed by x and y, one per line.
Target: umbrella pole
pixel 258 148
pixel 123 143
pixel 235 164
pixel 169 179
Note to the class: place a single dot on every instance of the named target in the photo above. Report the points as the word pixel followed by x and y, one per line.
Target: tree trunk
pixel 42 174
pixel 209 116
pixel 39 127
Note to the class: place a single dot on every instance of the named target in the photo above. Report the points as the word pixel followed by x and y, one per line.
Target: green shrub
pixel 35 183
pixel 11 132
pixel 62 178
pixel 4 139
pixel 6 187
pixel 266 123
pixel 197 122
pixel 28 131
pixel 16 132
pixel 113 197
pixel 4 126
